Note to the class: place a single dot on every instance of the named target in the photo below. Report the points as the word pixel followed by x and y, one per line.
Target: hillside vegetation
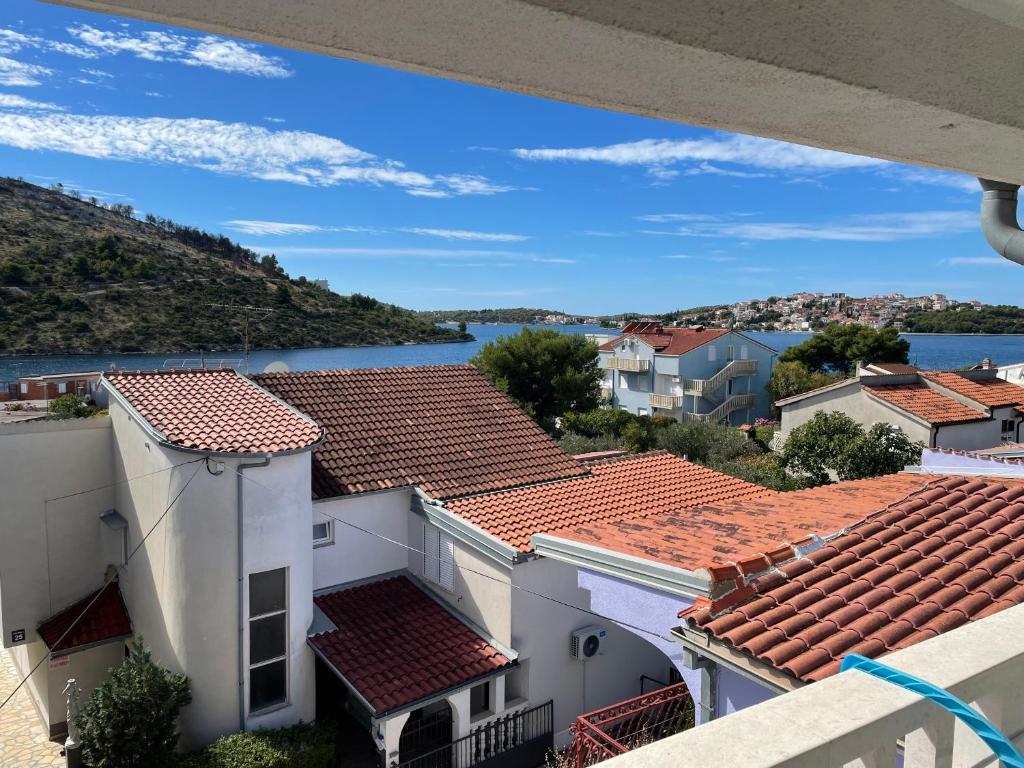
pixel 76 276
pixel 515 315
pixel 992 319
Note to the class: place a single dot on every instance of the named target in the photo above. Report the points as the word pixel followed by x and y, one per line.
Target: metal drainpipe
pixel 241 590
pixel 999 219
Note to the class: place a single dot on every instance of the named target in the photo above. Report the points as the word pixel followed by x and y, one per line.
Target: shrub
pixel 130 721
pixel 299 746
pixel 601 421
pixel 68 407
pixel 813 448
pixel 574 444
pixel 636 437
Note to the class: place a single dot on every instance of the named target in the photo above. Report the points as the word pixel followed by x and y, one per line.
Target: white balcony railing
pixel 733 369
pixel 669 402
pixel 628 364
pixel 733 403
pixel 853 719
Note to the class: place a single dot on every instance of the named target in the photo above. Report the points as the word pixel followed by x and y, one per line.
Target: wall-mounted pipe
pixel 999 219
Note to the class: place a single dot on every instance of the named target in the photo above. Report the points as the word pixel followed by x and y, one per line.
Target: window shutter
pixel 430 550
pixel 447 562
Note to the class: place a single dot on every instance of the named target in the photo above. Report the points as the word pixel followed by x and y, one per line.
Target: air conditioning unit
pixel 586 642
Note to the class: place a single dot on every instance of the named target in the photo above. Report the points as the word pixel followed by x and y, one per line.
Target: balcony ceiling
pixel 929 82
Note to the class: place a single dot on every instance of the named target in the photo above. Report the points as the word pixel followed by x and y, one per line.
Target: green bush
pixel 130 721
pixel 299 746
pixel 68 407
pixel 574 444
pixel 599 422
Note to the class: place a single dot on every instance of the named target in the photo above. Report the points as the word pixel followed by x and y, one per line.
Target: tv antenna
pixel 249 312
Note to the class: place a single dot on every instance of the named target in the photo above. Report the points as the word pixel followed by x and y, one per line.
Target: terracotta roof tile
pixel 396 645
pixel 989 392
pixel 671 341
pixel 712 534
pixel 946 577
pixel 105 619
pixel 444 428
pixel 924 402
pixel 214 410
pixel 631 487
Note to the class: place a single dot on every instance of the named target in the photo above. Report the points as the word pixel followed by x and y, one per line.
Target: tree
pixel 841 347
pixel 68 406
pixel 548 373
pixel 792 378
pixel 462 326
pixel 130 721
pixel 813 448
pixel 883 450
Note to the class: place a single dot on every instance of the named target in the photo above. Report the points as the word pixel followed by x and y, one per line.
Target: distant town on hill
pixel 798 312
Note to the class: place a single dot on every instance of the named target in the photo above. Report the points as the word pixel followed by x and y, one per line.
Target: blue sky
pixel 434 194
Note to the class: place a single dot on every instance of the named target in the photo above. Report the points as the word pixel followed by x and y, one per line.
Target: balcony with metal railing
pixel 667 402
pixel 627 364
pixel 855 719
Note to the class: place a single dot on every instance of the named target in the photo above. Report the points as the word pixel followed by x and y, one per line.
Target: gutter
pixel 999 219
pixel 241 587
pixel 638 570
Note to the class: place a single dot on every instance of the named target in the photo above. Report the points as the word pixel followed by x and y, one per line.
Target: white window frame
pixel 325 541
pixel 24 387
pixel 744 352
pixel 712 353
pixel 266 662
pixel 62 387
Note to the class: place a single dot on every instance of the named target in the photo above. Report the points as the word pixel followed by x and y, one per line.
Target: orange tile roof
pixel 396 645
pixel 444 428
pixel 924 402
pixel 989 392
pixel 214 410
pixel 632 487
pixel 949 554
pixel 714 536
pixel 672 341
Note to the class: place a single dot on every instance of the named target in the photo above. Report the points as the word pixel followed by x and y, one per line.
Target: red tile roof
pixel 949 554
pixel 989 392
pixel 895 368
pixel 925 403
pixel 716 536
pixel 105 619
pixel 214 410
pixel 628 487
pixel 672 341
pixel 444 428
pixel 397 645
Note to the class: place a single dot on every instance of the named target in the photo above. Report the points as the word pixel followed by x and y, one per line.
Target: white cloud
pixel 206 51
pixel 13 101
pixel 12 42
pixel 18 73
pixel 599 233
pixel 238 149
pixel 714 170
pixel 990 261
pixel 429 253
pixel 754 270
pixel 545 260
pixel 97 73
pixel 911 176
pixel 860 228
pixel 667 217
pixel 274 119
pixel 466 234
pixel 751 151
pixel 260 227
pixel 712 258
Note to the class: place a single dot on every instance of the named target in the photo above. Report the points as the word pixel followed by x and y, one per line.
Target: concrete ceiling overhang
pixel 929 82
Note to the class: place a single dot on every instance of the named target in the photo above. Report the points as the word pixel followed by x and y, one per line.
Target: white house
pixel 953 409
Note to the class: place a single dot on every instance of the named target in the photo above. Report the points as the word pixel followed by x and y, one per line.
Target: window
pixel 438 557
pixel 268 639
pixel 744 352
pixel 623 381
pixel 480 699
pixel 323 533
pixel 62 387
pixel 1008 428
pixel 24 387
pixel 730 353
pixel 712 353
pixel 641 411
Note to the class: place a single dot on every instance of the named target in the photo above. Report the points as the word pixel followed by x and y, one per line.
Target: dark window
pixel 480 699
pixel 268 639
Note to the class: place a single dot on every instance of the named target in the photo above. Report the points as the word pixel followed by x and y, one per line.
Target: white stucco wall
pixel 858 406
pixel 541 632
pixel 181 587
pixel 53 551
pixel 357 555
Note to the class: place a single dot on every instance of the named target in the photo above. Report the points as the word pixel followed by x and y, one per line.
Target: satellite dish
pixel 278 366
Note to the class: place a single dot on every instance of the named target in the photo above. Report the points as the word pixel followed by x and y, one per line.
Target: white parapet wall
pixel 855 719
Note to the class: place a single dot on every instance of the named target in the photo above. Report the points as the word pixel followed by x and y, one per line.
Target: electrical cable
pixel 106 583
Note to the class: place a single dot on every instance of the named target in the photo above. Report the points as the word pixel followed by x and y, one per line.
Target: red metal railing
pixel 621 727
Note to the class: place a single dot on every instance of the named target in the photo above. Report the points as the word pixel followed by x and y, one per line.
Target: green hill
pixel 76 276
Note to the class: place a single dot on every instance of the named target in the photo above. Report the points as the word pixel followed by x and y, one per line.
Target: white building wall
pixel 852 401
pixel 356 555
pixel 53 551
pixel 541 632
pixel 181 588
